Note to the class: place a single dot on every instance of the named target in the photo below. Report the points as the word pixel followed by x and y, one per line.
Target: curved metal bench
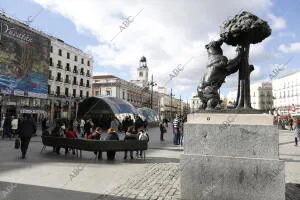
pixel 95 145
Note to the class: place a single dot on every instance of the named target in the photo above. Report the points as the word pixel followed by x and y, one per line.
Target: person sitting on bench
pixel 112 135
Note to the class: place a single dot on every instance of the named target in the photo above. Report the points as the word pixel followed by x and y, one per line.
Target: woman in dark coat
pixel 112 135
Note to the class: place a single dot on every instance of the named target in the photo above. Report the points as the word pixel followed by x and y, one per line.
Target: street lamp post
pixel 152 84
pixel 180 105
pixel 171 104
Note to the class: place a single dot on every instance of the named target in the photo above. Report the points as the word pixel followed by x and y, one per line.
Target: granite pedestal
pixel 231 157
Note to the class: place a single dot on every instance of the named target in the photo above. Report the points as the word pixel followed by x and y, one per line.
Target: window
pixel 87 94
pixel 74 81
pixel 58 78
pixel 67 79
pixel 80 93
pixel 88 63
pixel 51 49
pixel 97 93
pixel 68 67
pixel 57 90
pixel 67 92
pixel 88 73
pixel 51 62
pixel 68 55
pixel 59 52
pixel 81 71
pixel 59 63
pixel 75 58
pixel 87 83
pixel 74 92
pixel 124 95
pixel 82 61
pixel 49 89
pixel 75 69
pixel 81 82
pixel 107 92
pixel 141 74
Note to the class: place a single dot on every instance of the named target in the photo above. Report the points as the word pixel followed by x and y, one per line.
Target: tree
pixel 244 29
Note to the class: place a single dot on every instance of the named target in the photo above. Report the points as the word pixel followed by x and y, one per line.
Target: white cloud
pixel 277 23
pixel 292 48
pixel 167 33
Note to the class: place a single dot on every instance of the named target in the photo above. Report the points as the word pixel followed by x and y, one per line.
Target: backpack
pixel 144 136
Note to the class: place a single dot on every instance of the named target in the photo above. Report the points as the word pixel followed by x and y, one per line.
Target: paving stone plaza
pixel 44 176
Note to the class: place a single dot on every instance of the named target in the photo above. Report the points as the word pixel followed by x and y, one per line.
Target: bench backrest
pixel 94 145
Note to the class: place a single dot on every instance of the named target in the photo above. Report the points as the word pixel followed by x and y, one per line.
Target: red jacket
pixel 71 134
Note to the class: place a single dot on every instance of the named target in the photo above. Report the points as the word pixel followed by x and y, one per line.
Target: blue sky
pixel 168 33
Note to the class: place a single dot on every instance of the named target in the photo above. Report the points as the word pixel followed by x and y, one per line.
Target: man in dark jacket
pixel 27 130
pixel 7 127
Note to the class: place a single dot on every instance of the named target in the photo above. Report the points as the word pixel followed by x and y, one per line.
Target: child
pixel 143 136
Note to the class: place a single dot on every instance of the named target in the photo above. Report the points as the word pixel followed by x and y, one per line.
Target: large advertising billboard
pixel 24 61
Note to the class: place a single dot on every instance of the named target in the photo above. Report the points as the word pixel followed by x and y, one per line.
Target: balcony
pixel 88 75
pixel 59 79
pixel 52 93
pixel 88 85
pixel 75 83
pixel 51 77
pixel 81 84
pixel 75 71
pixel 57 93
pixel 68 69
pixel 68 81
pixel 82 73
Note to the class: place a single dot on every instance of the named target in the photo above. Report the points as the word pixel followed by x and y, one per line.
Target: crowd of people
pixel 10 126
pixel 133 129
pixel 87 129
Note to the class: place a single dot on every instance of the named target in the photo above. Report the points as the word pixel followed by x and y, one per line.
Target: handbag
pixel 17 143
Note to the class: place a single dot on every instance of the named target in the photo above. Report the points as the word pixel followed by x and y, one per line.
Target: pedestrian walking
pixel 14 126
pixel 165 121
pixel 176 133
pixel 163 130
pixel 7 127
pixel 27 129
pixel 82 123
pixel 290 123
pixel 181 124
pixel 143 136
pixel 44 124
pixel 88 127
pixel 297 131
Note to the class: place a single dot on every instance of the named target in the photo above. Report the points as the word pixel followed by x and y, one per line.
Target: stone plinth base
pixel 235 160
pixel 231 178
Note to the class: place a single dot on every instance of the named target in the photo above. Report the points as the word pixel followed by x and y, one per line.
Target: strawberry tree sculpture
pixel 242 30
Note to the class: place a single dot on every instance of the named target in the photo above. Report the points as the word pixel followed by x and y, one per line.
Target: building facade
pixel 69 81
pixel 112 86
pixel 286 91
pixel 261 96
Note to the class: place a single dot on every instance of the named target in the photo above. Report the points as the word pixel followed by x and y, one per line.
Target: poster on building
pixel 24 57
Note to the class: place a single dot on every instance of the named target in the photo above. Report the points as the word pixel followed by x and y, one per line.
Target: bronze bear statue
pixel 218 68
